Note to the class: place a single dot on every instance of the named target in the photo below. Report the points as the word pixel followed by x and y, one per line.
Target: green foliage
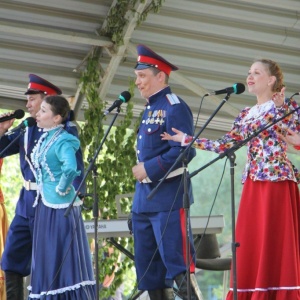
pixel 154 6
pixel 11 181
pixel 118 17
pixel 112 173
pixel 205 188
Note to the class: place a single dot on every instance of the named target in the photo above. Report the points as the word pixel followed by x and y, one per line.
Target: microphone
pixel 237 88
pixel 123 98
pixel 18 114
pixel 29 122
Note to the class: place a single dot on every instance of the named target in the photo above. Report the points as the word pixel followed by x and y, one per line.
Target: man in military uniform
pixel 16 259
pixel 159 223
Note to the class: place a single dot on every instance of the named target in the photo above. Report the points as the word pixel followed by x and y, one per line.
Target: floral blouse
pixel 266 154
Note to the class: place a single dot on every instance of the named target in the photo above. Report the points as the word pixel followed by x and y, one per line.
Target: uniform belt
pixel 174 173
pixel 29 185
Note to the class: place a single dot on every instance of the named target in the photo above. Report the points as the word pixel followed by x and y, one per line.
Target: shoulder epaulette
pixel 173 99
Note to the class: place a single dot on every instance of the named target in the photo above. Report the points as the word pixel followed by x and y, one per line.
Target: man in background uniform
pixel 16 258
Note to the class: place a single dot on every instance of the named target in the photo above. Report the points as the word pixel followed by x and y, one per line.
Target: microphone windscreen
pixel 125 96
pixel 19 113
pixel 29 122
pixel 240 88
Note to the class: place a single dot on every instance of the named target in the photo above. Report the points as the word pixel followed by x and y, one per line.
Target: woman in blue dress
pixel 61 259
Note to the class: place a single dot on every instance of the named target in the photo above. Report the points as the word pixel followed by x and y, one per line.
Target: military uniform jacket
pixel 163 111
pixel 26 198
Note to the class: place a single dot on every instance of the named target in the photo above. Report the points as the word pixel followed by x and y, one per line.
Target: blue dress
pixel 61 259
pixel 18 247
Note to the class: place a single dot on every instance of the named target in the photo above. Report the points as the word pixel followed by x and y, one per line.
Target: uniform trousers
pixel 160 248
pixel 18 248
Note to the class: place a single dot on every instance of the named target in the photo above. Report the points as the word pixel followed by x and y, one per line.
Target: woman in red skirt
pixel 268 223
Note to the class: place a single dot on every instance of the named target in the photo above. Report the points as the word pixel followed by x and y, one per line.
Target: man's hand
pixel 139 171
pixel 4 126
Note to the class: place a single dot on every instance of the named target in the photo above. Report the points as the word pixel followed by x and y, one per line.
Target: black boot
pixel 14 286
pixel 181 282
pixel 162 294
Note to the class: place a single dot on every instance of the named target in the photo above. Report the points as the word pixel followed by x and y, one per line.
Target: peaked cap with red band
pixel 39 85
pixel 148 58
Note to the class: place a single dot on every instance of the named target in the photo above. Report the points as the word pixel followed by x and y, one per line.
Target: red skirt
pixel 268 229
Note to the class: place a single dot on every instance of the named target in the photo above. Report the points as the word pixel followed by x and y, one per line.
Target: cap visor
pixel 32 92
pixel 140 66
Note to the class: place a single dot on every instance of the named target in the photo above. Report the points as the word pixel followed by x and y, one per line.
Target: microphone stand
pixel 186 208
pixel 92 166
pixel 230 153
pixel 186 200
pixel 22 130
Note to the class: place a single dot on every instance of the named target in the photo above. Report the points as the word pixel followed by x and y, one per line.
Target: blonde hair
pixel 274 70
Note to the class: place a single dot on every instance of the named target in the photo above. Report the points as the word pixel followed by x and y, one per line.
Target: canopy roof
pixel 213 42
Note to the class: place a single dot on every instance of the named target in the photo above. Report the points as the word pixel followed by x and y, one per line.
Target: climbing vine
pixel 116 19
pixel 113 170
pixel 117 156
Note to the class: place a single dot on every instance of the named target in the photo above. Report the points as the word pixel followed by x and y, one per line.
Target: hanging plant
pixel 113 168
pixel 117 17
pixel 115 160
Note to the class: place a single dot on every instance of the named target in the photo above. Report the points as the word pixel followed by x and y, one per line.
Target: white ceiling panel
pixel 213 42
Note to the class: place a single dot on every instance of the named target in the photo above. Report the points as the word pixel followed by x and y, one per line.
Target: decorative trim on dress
pixel 60 291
